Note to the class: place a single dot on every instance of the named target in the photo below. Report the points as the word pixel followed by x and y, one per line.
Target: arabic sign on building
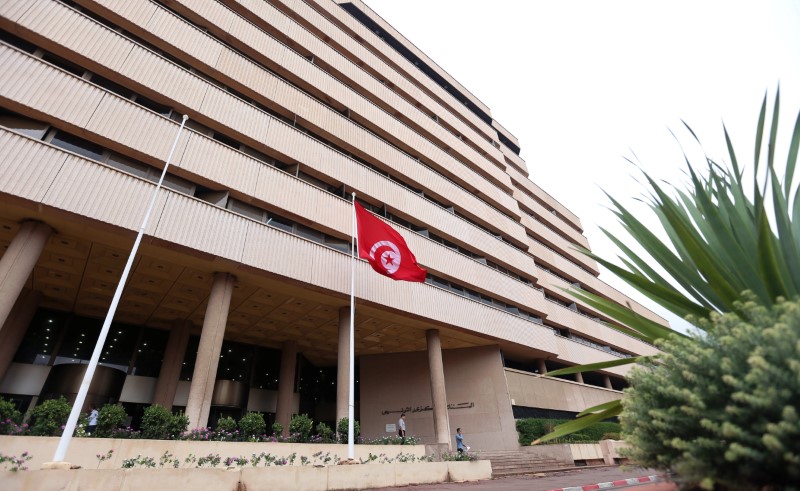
pixel 419 409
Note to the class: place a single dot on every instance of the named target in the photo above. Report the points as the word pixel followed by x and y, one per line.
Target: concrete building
pixel 239 295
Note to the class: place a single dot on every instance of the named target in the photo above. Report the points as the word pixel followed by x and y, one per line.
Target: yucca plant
pixel 723 239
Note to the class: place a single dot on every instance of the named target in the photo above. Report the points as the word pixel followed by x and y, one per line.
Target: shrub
pixel 252 425
pixel 721 407
pixel 611 436
pixel 8 411
pixel 48 417
pixel 10 418
pixel 160 424
pixel 342 429
pixel 301 425
pixel 178 425
pixel 109 418
pixel 530 429
pixel 595 432
pixel 277 429
pixel 325 433
pixel 226 425
pixel 392 440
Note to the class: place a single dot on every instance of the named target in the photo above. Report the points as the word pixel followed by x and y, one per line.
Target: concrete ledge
pixel 469 471
pixel 84 451
pixel 301 478
pixel 421 473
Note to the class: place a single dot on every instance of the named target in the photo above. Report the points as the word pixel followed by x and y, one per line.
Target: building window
pixel 41 338
pixel 77 145
pixel 20 124
pixel 187 369
pixel 78 341
pixel 235 362
pixel 266 369
pixel 150 352
pixel 119 346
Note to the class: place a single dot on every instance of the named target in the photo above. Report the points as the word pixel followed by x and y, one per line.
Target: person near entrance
pixel 92 425
pixel 401 427
pixel 460 445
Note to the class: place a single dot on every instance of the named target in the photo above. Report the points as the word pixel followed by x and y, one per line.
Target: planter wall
pixel 83 451
pixel 286 477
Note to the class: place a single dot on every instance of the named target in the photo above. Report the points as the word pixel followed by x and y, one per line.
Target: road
pixel 551 480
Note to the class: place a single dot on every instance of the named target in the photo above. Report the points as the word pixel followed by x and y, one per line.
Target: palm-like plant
pixel 721 243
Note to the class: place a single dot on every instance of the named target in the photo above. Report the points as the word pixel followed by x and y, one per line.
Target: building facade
pixel 239 297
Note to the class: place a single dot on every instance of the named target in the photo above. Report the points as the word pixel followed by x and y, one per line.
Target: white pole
pixel 69 429
pixel 351 398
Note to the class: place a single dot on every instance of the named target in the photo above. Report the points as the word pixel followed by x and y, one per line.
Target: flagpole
pixel 351 396
pixel 69 429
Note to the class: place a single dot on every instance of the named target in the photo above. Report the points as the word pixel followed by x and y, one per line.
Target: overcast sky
pixel 583 84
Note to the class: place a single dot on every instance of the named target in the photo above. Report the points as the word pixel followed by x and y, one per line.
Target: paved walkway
pixel 551 480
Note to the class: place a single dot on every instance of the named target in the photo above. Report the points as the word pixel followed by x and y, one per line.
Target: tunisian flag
pixel 385 249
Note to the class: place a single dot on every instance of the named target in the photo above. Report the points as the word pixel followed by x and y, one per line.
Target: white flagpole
pixel 351 398
pixel 69 429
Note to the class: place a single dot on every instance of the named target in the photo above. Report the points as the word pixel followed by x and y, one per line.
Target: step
pixel 563 467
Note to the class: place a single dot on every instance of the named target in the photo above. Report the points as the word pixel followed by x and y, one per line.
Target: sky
pixel 584 84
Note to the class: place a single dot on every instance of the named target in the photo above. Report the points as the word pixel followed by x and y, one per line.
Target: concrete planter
pixel 109 476
pixel 301 478
pixel 83 451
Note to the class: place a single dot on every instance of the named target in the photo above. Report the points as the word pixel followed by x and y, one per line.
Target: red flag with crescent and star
pixel 385 249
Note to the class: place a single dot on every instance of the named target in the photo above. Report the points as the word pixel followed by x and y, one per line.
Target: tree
pixel 720 244
pixel 720 408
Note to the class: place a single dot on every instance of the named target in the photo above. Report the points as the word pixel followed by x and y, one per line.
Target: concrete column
pixel 579 377
pixel 15 328
pixel 174 354
pixel 205 367
pixel 343 367
pixel 441 422
pixel 283 412
pixel 540 364
pixel 607 382
pixel 17 263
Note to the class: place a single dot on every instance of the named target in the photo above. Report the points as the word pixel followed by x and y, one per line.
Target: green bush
pixel 252 425
pixel 160 424
pixel 10 418
pixel 530 429
pixel 8 412
pixel 325 433
pixel 721 407
pixel 226 425
pixel 109 418
pixel 595 432
pixel 342 429
pixel 179 424
pixel 48 417
pixel 277 429
pixel 611 436
pixel 300 427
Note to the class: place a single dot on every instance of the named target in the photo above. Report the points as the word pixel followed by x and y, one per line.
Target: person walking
pixel 401 428
pixel 92 426
pixel 460 445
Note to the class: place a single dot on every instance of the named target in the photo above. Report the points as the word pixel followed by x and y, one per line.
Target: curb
pixel 612 484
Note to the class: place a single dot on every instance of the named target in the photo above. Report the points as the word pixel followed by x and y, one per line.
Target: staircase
pixel 514 462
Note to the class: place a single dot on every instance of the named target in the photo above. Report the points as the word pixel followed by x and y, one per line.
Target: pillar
pixel 12 333
pixel 607 382
pixel 205 367
pixel 579 377
pixel 283 412
pixel 441 423
pixel 17 263
pixel 541 366
pixel 343 365
pixel 170 372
